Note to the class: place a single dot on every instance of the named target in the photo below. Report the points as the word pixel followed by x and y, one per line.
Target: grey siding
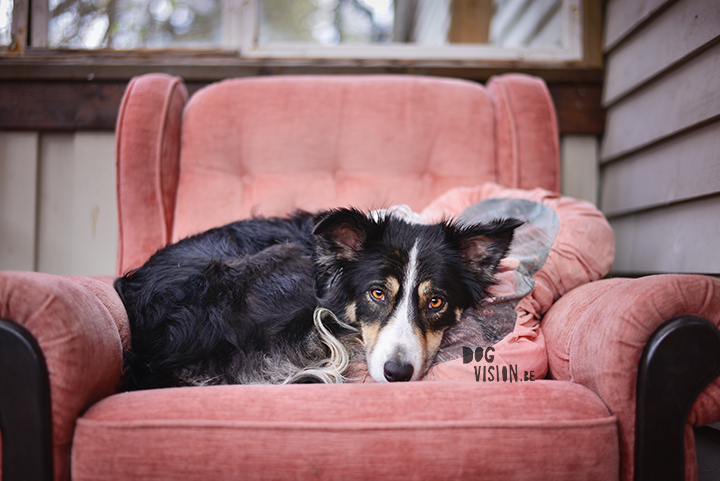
pixel 660 155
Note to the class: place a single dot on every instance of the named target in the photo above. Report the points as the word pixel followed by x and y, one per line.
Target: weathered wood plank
pixel 578 108
pixel 56 203
pixel 682 238
pixel 18 194
pixel 59 105
pixel 579 167
pixel 624 16
pixel 39 19
pixel 677 32
pixel 682 168
pixel 83 105
pixel 19 26
pixel 95 224
pixel 204 66
pixel 682 98
pixel 77 218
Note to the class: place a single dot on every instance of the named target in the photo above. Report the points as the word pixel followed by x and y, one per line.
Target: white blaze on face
pixel 398 340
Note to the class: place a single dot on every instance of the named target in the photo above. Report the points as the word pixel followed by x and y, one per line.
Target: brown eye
pixel 378 294
pixel 435 303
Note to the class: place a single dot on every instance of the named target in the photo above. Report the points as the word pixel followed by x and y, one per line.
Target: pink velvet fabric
pixel 78 335
pixel 595 335
pixel 147 149
pixel 319 142
pixel 526 132
pixel 268 146
pixel 444 430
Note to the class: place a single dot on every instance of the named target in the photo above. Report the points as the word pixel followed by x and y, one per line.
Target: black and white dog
pixel 289 299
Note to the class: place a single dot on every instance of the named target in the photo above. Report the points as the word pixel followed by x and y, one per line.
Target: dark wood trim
pixel 579 108
pixel 212 65
pixel 25 410
pixel 93 105
pixel 681 357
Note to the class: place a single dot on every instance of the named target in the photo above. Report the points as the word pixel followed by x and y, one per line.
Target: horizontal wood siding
pixel 679 169
pixel 679 238
pixel 682 98
pixel 683 28
pixel 660 155
pixel 623 16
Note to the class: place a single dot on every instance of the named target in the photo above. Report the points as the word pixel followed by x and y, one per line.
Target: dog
pixel 290 299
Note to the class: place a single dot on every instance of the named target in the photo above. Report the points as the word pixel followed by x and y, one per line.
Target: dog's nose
pixel 395 372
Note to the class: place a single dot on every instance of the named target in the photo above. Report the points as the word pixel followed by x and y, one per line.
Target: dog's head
pixel 404 284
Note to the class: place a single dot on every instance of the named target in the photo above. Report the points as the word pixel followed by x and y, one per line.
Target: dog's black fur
pixel 237 304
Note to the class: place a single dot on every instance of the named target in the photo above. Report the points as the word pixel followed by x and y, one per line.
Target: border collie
pixel 286 300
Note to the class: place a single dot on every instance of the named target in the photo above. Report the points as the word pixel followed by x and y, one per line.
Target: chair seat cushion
pixel 513 430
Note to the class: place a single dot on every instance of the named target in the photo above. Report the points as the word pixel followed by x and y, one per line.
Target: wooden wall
pixel 57 202
pixel 57 198
pixel 660 155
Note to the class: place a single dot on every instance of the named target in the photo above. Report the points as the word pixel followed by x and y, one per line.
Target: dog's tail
pixel 332 370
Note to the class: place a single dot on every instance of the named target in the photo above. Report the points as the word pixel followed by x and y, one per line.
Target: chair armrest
pixel 74 323
pixel 526 132
pixel 147 153
pixel 596 335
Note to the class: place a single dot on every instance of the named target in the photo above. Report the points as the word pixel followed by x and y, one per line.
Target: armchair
pixel 632 363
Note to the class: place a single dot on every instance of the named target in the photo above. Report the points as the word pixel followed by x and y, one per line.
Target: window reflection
pixel 6 7
pixel 128 24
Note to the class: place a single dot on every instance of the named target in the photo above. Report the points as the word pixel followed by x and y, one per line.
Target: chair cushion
pixel 526 430
pixel 272 145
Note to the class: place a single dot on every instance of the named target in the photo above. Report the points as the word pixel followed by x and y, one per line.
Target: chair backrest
pixel 270 145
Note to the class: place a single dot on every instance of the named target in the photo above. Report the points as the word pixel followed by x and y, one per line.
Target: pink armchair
pixel 632 363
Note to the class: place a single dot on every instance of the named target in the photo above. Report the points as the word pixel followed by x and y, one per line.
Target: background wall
pixel 57 198
pixel 660 155
pixel 57 202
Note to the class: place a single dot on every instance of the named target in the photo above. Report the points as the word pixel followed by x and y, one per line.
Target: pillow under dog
pixel 563 244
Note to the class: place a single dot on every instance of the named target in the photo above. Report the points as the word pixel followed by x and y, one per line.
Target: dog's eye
pixel 435 303
pixel 377 294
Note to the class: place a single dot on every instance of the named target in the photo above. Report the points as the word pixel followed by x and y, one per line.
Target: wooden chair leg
pixel 679 360
pixel 25 410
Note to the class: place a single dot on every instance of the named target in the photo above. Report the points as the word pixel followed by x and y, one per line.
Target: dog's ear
pixel 483 246
pixel 341 232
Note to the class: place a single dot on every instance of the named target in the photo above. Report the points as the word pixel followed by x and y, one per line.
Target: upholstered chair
pixel 614 373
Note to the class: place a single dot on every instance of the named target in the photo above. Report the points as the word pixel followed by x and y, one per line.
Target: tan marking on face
pixel 425 293
pixel 431 345
pixel 370 334
pixel 458 314
pixel 350 313
pixel 393 287
pixel 425 290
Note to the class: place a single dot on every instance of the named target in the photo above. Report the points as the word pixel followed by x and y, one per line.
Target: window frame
pixel 32 57
pixel 70 90
pixel 241 30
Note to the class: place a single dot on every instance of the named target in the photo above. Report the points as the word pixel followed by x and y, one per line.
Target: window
pixel 415 30
pixel 6 7
pixel 134 24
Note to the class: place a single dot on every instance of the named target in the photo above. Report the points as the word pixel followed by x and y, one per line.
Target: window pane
pixel 126 24
pixel 6 7
pixel 512 23
pixel 326 22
